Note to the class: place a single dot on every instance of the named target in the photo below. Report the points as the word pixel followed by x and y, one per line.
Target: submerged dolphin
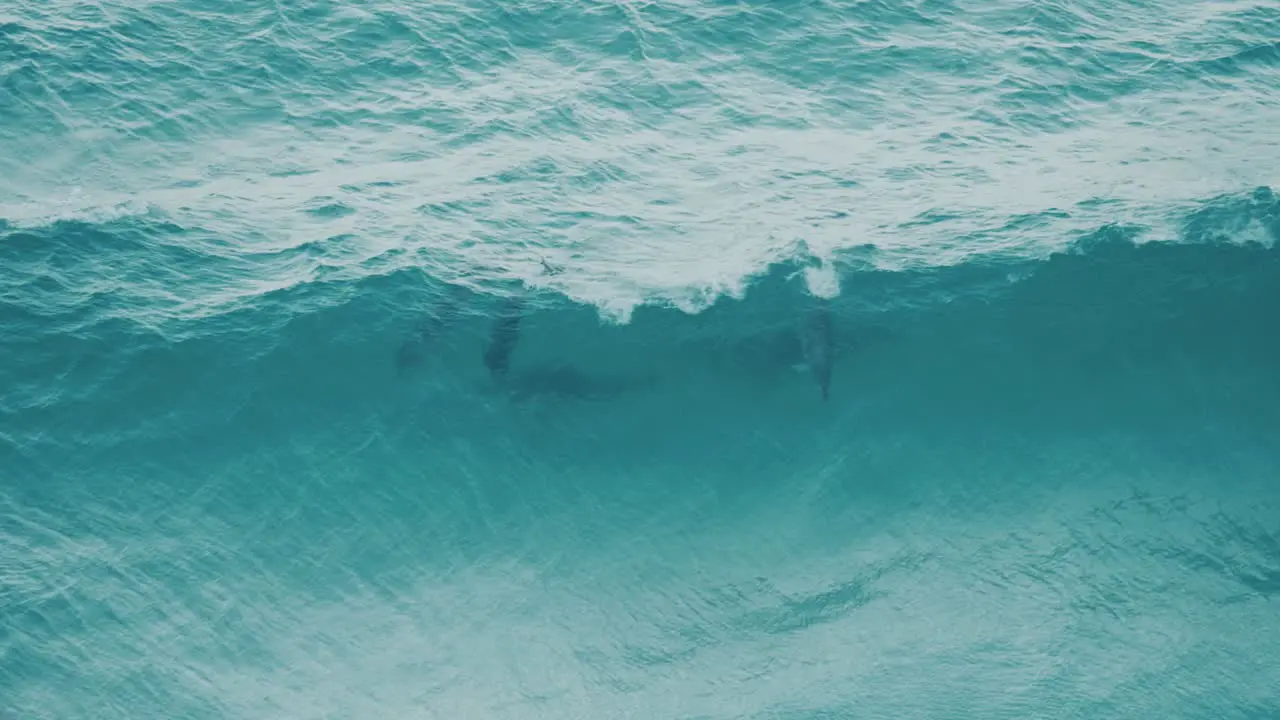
pixel 817 341
pixel 413 349
pixel 503 337
pixel 563 380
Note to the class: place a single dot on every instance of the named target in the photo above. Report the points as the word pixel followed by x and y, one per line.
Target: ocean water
pixel 257 260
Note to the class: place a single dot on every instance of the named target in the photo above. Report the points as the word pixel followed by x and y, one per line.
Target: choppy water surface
pixel 254 259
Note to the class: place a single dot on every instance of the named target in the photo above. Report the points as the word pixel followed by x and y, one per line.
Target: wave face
pixel 467 360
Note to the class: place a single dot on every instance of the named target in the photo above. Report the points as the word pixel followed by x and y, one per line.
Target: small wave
pixel 76 208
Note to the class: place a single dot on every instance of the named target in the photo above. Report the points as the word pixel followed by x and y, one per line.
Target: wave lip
pixel 478 140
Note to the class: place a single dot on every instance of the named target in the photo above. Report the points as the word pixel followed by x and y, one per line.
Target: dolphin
pixel 503 337
pixel 560 379
pixel 817 340
pixel 428 328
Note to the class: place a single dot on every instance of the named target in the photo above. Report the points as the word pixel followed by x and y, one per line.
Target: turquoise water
pixel 254 464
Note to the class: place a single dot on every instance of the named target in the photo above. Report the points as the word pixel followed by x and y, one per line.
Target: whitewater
pixel 466 359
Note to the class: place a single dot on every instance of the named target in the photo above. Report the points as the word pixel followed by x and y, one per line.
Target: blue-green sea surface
pixel 367 360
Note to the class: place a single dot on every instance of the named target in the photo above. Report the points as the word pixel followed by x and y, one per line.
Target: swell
pixel 166 69
pixel 93 359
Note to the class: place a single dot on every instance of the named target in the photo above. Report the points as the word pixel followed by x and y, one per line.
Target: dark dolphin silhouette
pixel 817 340
pixel 563 380
pixel 427 332
pixel 503 337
